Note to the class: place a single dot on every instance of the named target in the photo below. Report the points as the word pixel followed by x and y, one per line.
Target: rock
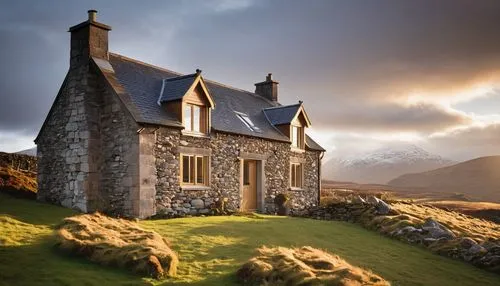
pixel 467 242
pixel 476 249
pixel 372 200
pixel 383 208
pixel 204 211
pixel 406 230
pixel 358 200
pixel 436 230
pixel 198 203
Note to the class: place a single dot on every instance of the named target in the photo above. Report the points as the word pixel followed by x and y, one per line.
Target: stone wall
pixel 226 150
pixel 63 144
pixel 88 149
pixel 119 162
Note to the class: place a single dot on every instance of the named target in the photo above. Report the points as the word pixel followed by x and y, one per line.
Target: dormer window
pixel 188 99
pixel 195 118
pixel 292 121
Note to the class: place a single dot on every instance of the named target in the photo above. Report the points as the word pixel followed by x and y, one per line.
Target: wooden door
pixel 249 198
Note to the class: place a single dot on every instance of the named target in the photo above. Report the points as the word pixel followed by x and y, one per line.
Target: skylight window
pixel 248 122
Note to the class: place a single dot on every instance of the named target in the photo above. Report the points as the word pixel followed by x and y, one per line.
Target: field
pixel 212 248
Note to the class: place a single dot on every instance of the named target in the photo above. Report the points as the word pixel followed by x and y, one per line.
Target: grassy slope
pixel 212 248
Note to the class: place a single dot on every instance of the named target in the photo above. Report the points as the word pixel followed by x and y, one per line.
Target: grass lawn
pixel 212 248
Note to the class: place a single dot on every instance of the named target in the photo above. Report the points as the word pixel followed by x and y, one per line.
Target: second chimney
pixel 268 88
pixel 88 39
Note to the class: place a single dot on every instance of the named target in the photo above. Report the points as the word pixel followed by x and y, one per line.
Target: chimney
pixel 88 39
pixel 268 88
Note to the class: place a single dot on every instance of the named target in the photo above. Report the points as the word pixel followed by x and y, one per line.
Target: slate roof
pixel 143 82
pixel 175 88
pixel 282 114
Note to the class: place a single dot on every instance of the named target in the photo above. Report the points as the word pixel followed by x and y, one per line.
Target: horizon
pixel 421 73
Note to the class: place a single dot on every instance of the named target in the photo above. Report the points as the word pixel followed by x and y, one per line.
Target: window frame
pixel 297 172
pixel 193 170
pixel 299 136
pixel 202 122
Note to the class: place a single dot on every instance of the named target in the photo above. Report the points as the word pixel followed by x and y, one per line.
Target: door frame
pixel 260 160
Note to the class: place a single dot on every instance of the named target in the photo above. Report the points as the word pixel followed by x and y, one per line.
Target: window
pixel 296 175
pixel 296 136
pixel 248 122
pixel 194 170
pixel 194 119
pixel 246 173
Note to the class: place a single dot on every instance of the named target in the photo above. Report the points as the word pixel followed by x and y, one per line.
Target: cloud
pixel 389 117
pixel 467 142
pixel 229 5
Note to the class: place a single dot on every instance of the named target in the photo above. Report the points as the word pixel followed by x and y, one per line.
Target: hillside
pixel 211 249
pixel 18 175
pixel 478 178
pixel 382 165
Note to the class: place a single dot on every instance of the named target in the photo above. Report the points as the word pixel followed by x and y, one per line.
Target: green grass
pixel 212 248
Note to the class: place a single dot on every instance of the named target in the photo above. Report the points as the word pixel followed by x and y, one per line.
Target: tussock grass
pixel 18 183
pixel 117 242
pixel 303 266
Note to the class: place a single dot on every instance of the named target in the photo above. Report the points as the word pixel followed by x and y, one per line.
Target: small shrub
pixel 280 201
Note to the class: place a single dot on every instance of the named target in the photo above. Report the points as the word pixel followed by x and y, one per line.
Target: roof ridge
pixel 180 77
pixel 144 63
pixel 282 106
pixel 180 74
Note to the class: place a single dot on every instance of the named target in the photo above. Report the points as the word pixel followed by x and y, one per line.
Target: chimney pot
pixel 269 77
pixel 92 15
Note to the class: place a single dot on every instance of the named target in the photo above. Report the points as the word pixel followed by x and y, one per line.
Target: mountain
pixel 30 152
pixel 478 178
pixel 382 165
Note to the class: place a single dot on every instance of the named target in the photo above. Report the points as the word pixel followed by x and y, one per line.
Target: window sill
pixel 195 134
pixel 297 150
pixel 195 188
pixel 296 189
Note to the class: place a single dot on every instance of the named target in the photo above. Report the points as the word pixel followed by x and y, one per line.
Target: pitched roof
pixel 176 87
pixel 142 85
pixel 284 114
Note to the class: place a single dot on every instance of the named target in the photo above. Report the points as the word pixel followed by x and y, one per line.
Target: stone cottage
pixel 132 139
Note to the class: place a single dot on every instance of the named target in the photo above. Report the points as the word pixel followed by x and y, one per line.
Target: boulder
pixel 383 208
pixel 372 200
pixel 198 204
pixel 467 242
pixel 436 230
pixel 476 249
pixel 358 200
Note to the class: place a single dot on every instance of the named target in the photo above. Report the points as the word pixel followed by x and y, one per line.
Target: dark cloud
pixel 347 60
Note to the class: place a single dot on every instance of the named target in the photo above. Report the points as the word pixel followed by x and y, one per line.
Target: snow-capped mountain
pixel 383 165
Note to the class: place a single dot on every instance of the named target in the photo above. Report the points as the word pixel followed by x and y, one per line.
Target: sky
pixel 370 73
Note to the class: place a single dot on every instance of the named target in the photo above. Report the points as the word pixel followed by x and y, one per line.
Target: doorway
pixel 249 182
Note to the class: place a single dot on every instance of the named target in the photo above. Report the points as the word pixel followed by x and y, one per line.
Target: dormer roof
pixel 176 88
pixel 286 114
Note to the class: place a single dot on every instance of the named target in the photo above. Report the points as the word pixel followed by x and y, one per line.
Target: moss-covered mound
pixel 303 266
pixel 117 242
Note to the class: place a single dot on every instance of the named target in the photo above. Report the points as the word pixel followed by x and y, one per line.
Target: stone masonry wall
pixel 225 172
pixel 89 149
pixel 119 165
pixel 63 145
